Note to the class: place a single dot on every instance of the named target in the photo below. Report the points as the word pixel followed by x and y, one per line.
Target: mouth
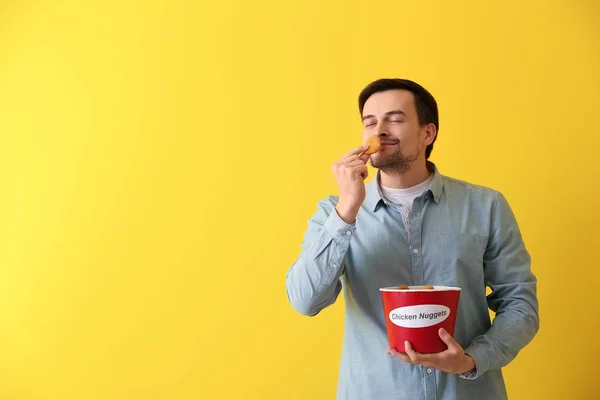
pixel 389 143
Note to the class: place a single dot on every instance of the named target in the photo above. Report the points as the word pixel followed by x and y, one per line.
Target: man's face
pixel 392 116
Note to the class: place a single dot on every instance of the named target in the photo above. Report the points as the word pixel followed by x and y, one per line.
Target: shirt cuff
pixel 338 228
pixel 481 360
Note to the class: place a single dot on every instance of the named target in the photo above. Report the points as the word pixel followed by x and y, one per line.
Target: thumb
pixel 448 339
pixel 364 157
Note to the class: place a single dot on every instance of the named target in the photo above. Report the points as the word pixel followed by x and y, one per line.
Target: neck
pixel 406 179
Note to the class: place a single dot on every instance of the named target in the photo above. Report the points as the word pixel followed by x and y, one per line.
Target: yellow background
pixel 159 161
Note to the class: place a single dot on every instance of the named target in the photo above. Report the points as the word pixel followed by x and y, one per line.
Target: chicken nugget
pixel 374 145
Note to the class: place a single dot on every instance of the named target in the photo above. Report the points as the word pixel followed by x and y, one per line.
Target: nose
pixel 381 130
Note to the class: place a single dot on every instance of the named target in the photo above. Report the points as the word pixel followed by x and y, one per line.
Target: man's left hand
pixel 453 360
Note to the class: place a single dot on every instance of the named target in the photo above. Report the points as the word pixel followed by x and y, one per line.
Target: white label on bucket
pixel 419 316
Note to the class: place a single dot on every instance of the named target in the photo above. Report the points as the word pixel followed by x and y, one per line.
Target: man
pixel 413 226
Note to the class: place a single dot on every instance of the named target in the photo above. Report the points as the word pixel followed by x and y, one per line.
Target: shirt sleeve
pixel 312 282
pixel 513 298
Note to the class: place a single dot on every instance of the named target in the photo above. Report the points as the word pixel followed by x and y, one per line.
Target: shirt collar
pixel 374 198
pixel 437 182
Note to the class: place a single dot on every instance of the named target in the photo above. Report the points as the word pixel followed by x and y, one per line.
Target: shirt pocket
pixel 461 258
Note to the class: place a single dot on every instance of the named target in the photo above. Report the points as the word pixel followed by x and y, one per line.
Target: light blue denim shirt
pixel 460 235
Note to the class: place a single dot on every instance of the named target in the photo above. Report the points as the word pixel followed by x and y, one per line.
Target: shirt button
pixel 429 370
pixel 348 233
pixel 416 251
pixel 334 266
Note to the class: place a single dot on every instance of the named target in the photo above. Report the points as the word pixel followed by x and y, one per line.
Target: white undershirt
pixel 405 197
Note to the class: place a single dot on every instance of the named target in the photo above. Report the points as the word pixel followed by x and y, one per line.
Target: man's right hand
pixel 350 172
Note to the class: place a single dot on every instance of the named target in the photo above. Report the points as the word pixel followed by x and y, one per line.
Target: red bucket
pixel 416 315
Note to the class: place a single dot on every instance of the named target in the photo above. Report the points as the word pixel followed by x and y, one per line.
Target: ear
pixel 429 134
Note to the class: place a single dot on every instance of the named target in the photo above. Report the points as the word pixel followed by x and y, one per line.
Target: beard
pixel 395 162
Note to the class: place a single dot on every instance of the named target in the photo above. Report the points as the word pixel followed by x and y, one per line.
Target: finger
pixel 391 351
pixel 355 163
pixel 417 358
pixel 357 150
pixel 349 159
pixel 449 340
pixel 357 167
pixel 414 356
pixel 362 170
pixel 364 174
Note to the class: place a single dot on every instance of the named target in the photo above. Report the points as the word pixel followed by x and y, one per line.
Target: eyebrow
pixel 393 112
